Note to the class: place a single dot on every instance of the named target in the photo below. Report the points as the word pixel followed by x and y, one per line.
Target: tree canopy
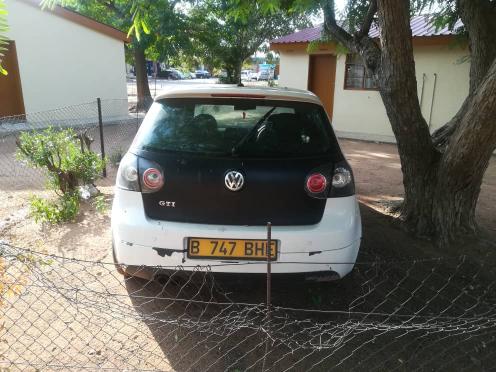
pixel 223 39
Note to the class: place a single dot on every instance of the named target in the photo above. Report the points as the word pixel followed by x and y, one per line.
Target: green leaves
pixel 138 12
pixel 228 32
pixel 63 209
pixel 59 152
pixel 3 37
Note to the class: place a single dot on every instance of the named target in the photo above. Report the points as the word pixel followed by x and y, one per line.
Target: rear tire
pixel 120 268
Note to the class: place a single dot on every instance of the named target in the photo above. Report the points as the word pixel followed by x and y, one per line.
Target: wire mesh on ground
pixel 119 127
pixel 426 314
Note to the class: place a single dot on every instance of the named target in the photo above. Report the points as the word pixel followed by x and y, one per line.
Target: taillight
pixel 152 176
pixel 153 179
pixel 316 183
pixel 330 181
pixel 127 175
pixel 342 183
pixel 139 174
pixel 341 177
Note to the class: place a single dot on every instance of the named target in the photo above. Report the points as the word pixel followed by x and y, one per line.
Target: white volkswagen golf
pixel 210 167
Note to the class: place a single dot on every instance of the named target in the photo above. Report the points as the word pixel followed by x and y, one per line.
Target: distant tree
pixel 227 40
pixel 138 18
pixel 442 174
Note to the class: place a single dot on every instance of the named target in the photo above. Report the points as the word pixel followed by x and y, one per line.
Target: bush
pixel 64 209
pixel 100 204
pixel 63 155
pixel 116 157
pixel 69 162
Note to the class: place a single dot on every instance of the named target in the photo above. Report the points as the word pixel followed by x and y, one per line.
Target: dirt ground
pixel 137 325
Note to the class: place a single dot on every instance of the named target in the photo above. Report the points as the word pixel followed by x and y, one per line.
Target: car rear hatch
pixel 235 161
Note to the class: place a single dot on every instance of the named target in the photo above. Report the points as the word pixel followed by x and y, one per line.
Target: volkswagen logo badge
pixel 234 180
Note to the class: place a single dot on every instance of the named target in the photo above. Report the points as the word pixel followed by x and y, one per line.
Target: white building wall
pixel 361 113
pixel 451 65
pixel 293 69
pixel 62 63
pixel 358 113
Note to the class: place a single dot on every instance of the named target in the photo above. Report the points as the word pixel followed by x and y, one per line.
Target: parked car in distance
pixel 265 74
pixel 211 166
pixel 246 75
pixel 171 74
pixel 202 74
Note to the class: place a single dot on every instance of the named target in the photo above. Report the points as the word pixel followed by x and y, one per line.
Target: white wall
pixel 452 69
pixel 358 111
pixel 293 69
pixel 62 63
pixel 361 114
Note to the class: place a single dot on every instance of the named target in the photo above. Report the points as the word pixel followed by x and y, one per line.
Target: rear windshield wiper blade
pixel 253 130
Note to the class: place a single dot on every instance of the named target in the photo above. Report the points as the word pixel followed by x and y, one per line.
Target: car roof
pixel 230 91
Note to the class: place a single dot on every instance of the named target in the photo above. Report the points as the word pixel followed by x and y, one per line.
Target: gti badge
pixel 234 180
pixel 163 203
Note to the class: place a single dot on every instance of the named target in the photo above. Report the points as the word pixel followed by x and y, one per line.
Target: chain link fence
pixel 409 315
pixel 108 125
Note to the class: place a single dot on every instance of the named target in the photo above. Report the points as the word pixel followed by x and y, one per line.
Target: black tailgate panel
pixel 273 191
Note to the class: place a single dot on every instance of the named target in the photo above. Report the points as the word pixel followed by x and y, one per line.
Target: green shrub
pixel 100 203
pixel 62 154
pixel 116 157
pixel 69 163
pixel 63 209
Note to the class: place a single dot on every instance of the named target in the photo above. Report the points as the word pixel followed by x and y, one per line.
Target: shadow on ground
pixel 402 308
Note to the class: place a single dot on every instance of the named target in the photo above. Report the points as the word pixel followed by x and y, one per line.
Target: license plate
pixel 231 249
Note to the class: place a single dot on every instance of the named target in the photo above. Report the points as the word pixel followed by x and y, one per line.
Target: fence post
pixel 102 142
pixel 269 268
pixel 269 294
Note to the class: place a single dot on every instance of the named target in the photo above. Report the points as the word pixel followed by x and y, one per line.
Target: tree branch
pixel 474 137
pixel 332 28
pixel 441 137
pixel 110 5
pixel 367 22
pixel 478 19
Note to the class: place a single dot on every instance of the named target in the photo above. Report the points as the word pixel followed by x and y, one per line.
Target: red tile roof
pixel 421 26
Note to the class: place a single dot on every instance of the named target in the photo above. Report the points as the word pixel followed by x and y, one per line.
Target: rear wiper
pixel 252 131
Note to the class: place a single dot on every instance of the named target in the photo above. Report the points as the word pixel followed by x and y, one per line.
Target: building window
pixel 356 76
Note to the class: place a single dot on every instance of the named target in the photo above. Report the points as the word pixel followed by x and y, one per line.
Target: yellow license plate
pixel 231 249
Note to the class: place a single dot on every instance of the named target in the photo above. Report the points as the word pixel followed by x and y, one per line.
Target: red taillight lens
pixel 153 179
pixel 316 183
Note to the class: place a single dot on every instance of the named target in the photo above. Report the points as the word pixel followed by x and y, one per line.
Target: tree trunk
pixel 398 89
pixel 233 72
pixel 237 72
pixel 143 90
pixel 465 161
pixel 441 189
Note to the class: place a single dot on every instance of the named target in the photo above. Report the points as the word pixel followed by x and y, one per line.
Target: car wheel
pixel 120 268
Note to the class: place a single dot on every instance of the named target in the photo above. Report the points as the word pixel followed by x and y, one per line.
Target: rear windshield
pixel 236 127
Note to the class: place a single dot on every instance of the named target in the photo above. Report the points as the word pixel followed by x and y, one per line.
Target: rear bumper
pixel 329 246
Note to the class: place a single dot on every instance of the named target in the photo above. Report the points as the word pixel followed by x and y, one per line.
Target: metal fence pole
pixel 269 294
pixel 102 142
pixel 269 268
